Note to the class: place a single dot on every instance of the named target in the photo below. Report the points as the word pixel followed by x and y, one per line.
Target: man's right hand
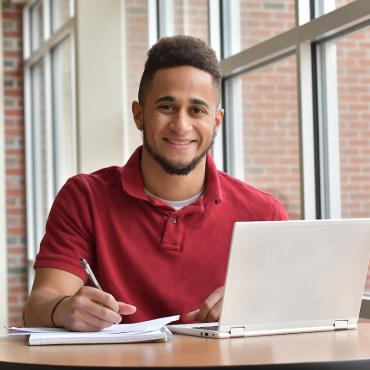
pixel 87 308
pixel 90 309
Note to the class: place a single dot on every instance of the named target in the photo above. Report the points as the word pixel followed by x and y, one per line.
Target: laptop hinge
pixel 237 332
pixel 340 324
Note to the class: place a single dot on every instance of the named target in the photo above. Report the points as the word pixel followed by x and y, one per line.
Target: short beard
pixel 171 168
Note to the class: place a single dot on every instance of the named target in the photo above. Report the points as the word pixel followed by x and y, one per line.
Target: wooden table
pixel 326 350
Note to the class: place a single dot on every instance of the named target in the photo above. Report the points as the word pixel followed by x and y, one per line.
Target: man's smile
pixel 179 143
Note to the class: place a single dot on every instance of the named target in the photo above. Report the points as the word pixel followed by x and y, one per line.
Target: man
pixel 157 231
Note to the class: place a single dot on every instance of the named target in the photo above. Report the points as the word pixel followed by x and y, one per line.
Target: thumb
pixel 126 309
pixel 191 316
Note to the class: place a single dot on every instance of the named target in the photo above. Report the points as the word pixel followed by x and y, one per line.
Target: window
pixel 323 7
pixel 187 17
pixel 251 22
pixel 60 13
pixel 50 109
pixel 316 75
pixel 36 24
pixel 137 44
pixel 353 68
pixel 345 126
pixel 41 148
pixel 63 112
pixel 269 154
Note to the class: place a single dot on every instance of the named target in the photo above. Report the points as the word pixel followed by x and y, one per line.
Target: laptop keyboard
pixel 206 327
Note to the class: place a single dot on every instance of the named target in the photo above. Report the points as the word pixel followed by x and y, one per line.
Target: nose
pixel 181 123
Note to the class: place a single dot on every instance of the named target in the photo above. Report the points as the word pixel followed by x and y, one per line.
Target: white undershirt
pixel 178 204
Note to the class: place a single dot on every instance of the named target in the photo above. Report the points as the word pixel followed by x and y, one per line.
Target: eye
pixel 198 110
pixel 167 107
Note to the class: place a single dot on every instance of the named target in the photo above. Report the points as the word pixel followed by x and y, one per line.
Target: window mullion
pixel 306 119
pixel 329 131
pixel 166 21
pixel 214 10
pixel 52 165
pixel 46 7
pixel 306 124
pixel 233 93
pixel 152 22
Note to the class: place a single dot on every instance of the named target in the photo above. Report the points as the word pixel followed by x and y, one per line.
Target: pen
pixel 89 272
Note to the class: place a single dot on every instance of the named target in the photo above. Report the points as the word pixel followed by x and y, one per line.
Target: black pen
pixel 89 272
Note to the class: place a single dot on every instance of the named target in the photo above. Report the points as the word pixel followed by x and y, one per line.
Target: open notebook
pixel 290 277
pixel 152 330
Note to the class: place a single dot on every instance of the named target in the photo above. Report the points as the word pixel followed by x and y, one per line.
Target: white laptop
pixel 291 277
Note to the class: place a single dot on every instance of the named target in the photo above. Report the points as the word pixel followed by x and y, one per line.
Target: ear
pixel 137 113
pixel 218 119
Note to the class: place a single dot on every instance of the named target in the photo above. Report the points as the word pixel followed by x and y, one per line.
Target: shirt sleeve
pixel 69 233
pixel 280 213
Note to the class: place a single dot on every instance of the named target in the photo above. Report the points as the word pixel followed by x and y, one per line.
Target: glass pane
pixel 63 120
pixel 250 22
pixel 271 132
pixel 137 47
pixel 59 13
pixel 326 6
pixel 36 26
pixel 353 68
pixel 191 18
pixel 41 147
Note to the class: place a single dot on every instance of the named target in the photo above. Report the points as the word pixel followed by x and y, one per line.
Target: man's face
pixel 179 118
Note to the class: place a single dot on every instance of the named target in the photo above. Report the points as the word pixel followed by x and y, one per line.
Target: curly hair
pixel 179 51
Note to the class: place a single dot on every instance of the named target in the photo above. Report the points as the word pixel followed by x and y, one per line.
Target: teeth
pixel 180 142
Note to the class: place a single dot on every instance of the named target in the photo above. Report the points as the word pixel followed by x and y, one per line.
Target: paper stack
pixel 152 330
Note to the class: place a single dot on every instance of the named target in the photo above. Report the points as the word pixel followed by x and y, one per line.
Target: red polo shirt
pixel 142 251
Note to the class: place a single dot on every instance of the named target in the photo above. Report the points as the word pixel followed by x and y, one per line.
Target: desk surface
pixel 316 350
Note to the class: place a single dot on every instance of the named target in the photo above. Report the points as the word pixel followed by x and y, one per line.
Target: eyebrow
pixel 172 99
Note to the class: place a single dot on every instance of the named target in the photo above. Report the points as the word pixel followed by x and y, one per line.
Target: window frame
pixel 35 224
pixel 3 251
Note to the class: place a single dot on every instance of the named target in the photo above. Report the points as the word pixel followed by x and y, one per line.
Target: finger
pixel 103 313
pixel 214 313
pixel 209 303
pixel 125 308
pixel 100 297
pixel 191 316
pixel 82 303
pixel 90 323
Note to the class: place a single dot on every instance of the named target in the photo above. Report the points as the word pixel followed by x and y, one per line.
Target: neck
pixel 171 187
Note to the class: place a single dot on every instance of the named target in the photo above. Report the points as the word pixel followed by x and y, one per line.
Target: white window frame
pixel 3 251
pixel 214 27
pixel 35 222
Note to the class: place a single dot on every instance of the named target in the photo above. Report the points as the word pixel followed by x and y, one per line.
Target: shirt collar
pixel 132 181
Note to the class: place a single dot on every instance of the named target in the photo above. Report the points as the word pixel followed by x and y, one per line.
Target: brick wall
pixel 15 162
pixel 271 136
pixel 263 19
pixel 269 106
pixel 353 61
pixel 137 47
pixel 353 56
pixel 191 18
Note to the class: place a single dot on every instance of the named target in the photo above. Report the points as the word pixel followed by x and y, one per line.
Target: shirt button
pixel 174 220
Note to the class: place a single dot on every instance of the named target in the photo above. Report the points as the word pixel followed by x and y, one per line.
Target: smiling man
pixel 156 231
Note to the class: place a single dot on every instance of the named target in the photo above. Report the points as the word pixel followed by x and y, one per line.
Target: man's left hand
pixel 210 309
